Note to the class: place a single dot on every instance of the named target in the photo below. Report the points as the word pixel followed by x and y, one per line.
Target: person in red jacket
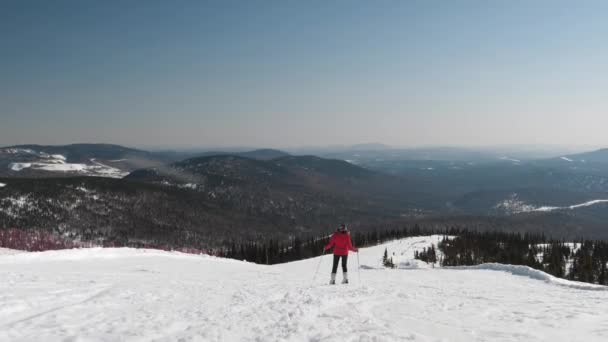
pixel 341 243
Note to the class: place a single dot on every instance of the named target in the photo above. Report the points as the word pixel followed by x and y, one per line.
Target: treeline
pixel 274 252
pixel 271 251
pixel 584 261
pixel 580 260
pixel 33 240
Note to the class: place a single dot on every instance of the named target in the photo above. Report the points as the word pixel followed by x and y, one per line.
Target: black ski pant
pixel 334 269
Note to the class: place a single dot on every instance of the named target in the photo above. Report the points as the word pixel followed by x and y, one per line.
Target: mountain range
pixel 217 196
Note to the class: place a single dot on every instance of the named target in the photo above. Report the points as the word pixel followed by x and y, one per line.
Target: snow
pixel 189 186
pixel 18 151
pixel 57 163
pixel 567 159
pixel 62 167
pixel 7 251
pixel 516 161
pixel 2 185
pixel 531 273
pixel 11 206
pixel 106 171
pixel 58 156
pixel 514 205
pixel 572 207
pixel 145 295
pixel 19 166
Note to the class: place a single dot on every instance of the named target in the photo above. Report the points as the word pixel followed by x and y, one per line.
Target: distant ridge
pixel 598 156
pixel 259 154
pixel 371 147
pixel 87 159
pixel 82 152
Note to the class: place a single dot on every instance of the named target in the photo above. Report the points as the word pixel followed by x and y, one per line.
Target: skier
pixel 341 243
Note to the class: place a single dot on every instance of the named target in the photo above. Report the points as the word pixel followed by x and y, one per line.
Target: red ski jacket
pixel 341 244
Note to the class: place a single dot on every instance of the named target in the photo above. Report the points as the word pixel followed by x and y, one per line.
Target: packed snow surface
pixel 145 295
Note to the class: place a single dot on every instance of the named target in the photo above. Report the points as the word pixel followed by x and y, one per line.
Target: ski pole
pixel 318 266
pixel 358 267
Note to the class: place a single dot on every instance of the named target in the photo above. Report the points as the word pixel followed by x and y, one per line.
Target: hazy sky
pixel 287 73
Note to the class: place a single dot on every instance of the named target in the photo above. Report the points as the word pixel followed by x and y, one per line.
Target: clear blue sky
pixel 287 73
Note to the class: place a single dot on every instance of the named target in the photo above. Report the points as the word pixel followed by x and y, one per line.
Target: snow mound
pixel 532 273
pixel 7 251
pixel 96 253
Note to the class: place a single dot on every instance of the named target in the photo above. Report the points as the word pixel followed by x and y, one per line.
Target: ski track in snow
pixel 516 206
pixel 572 207
pixel 143 295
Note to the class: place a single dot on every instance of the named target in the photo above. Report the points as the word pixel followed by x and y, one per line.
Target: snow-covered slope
pixel 57 163
pixel 144 295
pixel 95 168
pixel 6 251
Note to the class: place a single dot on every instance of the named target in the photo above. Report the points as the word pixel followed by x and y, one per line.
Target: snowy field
pixel 144 295
pixel 57 163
